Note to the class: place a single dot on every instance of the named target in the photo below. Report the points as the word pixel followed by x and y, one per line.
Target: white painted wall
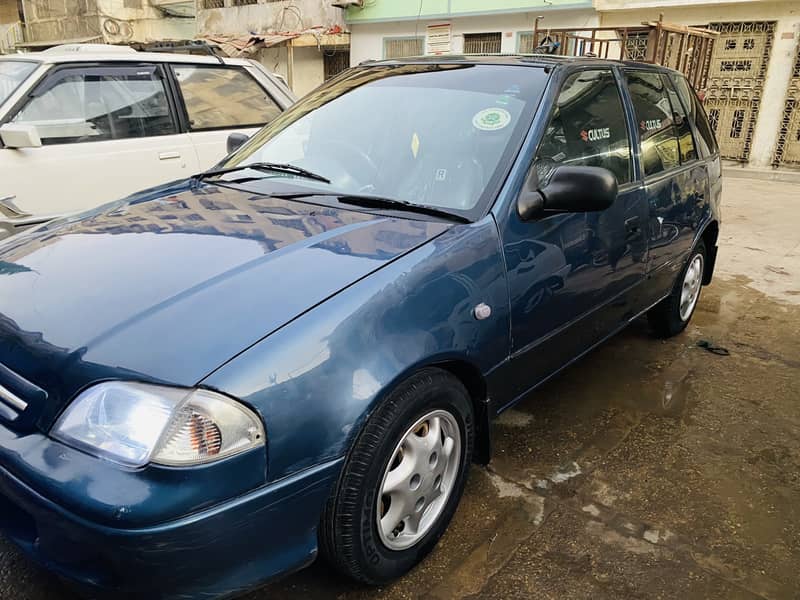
pixel 309 70
pixel 784 48
pixel 366 39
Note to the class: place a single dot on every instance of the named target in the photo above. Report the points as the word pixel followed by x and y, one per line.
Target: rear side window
pixel 706 142
pixel 587 127
pixel 88 104
pixel 685 139
pixel 223 97
pixel 657 130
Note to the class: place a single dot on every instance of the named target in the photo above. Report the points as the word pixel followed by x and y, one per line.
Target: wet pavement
pixel 649 469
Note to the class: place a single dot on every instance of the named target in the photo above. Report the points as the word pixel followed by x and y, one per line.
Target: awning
pixel 233 45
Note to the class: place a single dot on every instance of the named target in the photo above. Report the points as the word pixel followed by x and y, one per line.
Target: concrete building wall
pixel 264 18
pixel 782 56
pixel 8 11
pixel 110 21
pixel 139 21
pixel 308 69
pixel 367 38
pixel 47 20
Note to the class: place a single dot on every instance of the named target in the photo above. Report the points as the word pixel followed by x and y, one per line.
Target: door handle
pixel 168 155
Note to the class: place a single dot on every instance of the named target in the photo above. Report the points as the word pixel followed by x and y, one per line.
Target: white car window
pixel 94 104
pixel 223 97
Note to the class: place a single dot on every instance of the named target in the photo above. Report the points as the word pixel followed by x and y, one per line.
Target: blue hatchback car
pixel 300 352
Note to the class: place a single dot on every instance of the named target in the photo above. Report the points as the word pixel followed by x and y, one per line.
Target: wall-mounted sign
pixel 437 40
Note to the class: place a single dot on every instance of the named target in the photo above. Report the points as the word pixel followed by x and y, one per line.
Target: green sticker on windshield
pixel 491 119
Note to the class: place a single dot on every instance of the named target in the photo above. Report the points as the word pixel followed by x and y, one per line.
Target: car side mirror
pixel 236 140
pixel 569 189
pixel 18 135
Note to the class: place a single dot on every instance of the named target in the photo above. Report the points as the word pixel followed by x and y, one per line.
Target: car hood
pixel 170 288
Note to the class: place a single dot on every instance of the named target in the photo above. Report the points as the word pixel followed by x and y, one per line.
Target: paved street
pixel 649 470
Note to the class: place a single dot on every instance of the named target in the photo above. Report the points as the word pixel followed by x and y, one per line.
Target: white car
pixel 81 125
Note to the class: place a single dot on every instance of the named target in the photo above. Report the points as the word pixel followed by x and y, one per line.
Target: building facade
pixel 10 25
pixel 752 92
pixel 52 22
pixel 302 40
pixel 392 28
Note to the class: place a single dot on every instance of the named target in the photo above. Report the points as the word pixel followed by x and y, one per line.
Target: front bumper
pixel 223 550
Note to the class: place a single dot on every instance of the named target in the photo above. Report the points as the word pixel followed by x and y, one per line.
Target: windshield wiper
pixel 368 201
pixel 265 166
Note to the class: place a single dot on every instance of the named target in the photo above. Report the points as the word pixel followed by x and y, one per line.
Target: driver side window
pixel 587 128
pixel 96 104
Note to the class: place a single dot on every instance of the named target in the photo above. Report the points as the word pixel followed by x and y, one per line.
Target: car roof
pixel 109 53
pixel 530 60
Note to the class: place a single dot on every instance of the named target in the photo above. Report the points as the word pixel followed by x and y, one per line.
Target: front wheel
pixel 402 481
pixel 671 316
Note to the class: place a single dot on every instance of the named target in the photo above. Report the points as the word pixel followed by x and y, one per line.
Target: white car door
pixel 221 99
pixel 106 132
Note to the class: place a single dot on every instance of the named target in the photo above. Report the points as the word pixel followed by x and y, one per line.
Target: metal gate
pixel 735 83
pixel 482 43
pixel 787 150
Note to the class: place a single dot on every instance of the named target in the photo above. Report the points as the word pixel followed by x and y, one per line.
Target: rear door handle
pixel 168 155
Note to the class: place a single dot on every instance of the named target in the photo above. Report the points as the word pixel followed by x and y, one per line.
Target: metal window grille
pixel 243 2
pixel 787 149
pixel 213 4
pixel 736 73
pixel 636 46
pixel 526 42
pixel 402 47
pixel 713 118
pixel 335 61
pixel 482 43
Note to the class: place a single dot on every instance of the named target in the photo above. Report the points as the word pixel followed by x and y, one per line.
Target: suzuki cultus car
pixel 300 352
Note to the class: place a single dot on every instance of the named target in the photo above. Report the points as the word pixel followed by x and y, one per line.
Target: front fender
pixel 315 380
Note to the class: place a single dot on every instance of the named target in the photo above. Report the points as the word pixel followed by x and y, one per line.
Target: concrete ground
pixel 649 470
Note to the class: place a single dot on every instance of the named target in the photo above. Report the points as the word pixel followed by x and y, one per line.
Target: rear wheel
pixel 671 316
pixel 402 481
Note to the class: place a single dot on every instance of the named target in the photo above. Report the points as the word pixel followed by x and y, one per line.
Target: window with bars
pixel 402 47
pixel 243 2
pixel 335 61
pixel 526 43
pixel 482 43
pixel 207 4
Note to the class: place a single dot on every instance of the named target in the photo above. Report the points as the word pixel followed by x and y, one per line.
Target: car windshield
pixel 12 74
pixel 441 135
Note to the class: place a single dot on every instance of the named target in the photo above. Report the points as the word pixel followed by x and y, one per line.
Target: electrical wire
pixel 416 23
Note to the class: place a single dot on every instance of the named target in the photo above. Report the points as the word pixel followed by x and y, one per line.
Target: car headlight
pixel 135 424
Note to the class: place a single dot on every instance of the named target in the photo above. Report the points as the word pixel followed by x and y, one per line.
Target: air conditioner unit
pixel 348 3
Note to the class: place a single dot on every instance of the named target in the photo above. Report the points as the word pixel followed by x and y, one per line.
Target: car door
pixel 676 182
pixel 219 100
pixel 106 132
pixel 572 277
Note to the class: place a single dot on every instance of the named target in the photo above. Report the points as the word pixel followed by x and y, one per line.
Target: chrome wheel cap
pixel 418 480
pixel 690 291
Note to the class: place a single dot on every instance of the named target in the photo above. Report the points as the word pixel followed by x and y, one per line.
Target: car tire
pixel 671 316
pixel 354 535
